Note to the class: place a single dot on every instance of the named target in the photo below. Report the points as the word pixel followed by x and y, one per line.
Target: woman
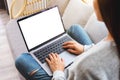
pixel 101 62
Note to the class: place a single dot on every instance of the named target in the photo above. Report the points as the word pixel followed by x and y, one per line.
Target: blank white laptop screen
pixel 41 27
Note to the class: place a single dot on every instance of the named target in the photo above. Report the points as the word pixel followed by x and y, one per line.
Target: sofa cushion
pixel 76 12
pixel 96 29
pixel 60 3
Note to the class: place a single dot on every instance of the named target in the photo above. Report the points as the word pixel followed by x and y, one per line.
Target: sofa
pixel 74 12
pixel 78 12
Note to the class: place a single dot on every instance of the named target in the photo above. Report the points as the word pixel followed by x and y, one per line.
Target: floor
pixel 7 68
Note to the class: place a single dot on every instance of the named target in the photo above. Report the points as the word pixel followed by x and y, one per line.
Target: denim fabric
pixel 26 64
pixel 79 34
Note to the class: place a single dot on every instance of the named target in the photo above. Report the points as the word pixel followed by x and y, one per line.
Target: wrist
pixel 81 49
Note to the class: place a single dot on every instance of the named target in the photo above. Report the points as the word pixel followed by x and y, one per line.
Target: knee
pixel 74 28
pixel 20 60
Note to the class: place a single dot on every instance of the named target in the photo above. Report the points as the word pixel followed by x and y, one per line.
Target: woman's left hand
pixel 55 62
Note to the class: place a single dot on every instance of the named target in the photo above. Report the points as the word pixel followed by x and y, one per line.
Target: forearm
pixel 58 75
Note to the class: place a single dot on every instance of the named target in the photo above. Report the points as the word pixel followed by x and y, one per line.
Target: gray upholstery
pixel 95 29
pixel 15 39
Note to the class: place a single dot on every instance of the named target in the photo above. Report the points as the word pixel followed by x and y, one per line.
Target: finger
pixel 68 42
pixel 48 61
pixel 56 54
pixel 53 55
pixel 71 50
pixel 69 46
pixel 50 56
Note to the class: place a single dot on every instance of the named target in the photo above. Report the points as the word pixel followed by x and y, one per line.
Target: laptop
pixel 43 33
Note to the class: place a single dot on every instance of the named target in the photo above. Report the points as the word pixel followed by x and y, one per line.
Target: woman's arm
pixel 58 75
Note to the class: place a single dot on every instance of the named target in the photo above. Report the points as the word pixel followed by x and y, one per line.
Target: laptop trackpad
pixel 67 57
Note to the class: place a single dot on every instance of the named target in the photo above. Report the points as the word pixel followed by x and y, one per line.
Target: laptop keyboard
pixel 55 47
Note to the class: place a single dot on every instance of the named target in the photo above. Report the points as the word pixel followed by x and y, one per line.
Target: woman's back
pixel 99 63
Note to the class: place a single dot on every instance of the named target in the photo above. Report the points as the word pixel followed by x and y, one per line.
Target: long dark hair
pixel 110 11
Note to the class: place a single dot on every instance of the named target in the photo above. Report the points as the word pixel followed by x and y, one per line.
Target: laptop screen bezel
pixel 45 41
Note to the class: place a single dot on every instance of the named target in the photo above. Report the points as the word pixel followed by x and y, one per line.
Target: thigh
pixel 79 34
pixel 26 64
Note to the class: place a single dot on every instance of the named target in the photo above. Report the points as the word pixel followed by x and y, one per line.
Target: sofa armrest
pixel 14 39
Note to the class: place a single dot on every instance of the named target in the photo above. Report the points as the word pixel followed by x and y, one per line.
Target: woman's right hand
pixel 55 62
pixel 73 47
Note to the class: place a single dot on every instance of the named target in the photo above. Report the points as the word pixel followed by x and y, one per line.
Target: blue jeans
pixel 26 64
pixel 79 34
